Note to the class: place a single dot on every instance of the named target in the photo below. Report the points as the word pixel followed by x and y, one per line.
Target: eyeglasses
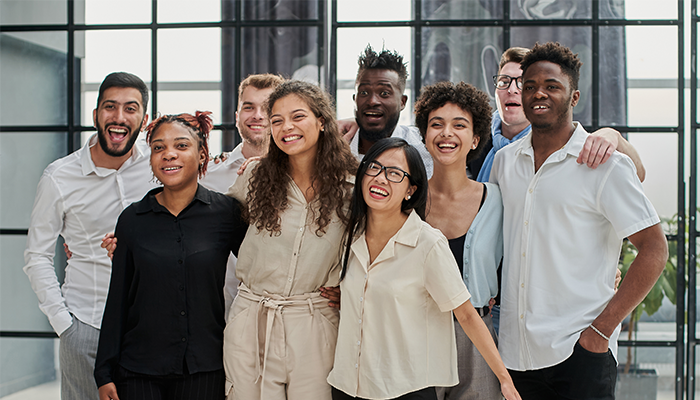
pixel 503 82
pixel 392 174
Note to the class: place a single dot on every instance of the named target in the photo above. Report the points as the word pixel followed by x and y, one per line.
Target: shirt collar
pixel 149 202
pixel 88 165
pixel 572 147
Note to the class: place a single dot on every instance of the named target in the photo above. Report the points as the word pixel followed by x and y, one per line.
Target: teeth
pixel 379 191
pixel 447 145
pixel 117 130
pixel 171 168
pixel 373 114
pixel 540 107
pixel 291 138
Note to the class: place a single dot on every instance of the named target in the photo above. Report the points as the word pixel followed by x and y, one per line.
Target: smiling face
pixel 379 100
pixel 295 128
pixel 251 120
pixel 450 135
pixel 509 101
pixel 175 155
pixel 382 195
pixel 119 118
pixel 547 97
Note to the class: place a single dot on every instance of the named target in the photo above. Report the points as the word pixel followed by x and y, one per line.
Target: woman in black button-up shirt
pixel 164 319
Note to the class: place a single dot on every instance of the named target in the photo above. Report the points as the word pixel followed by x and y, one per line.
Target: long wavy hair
pixel 334 162
pixel 357 221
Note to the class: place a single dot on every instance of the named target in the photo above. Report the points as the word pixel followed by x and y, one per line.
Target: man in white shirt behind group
pixel 563 228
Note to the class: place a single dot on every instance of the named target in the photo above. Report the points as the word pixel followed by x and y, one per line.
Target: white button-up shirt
pixel 411 134
pixel 396 331
pixel 80 202
pixel 563 228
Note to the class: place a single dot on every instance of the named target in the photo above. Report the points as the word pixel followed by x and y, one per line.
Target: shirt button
pixel 182 313
pixel 290 279
pixel 179 240
pixel 360 298
pixel 365 276
pixel 179 261
pixel 522 316
pixel 301 229
pixel 530 190
pixel 359 320
pixel 522 285
pixel 355 365
pixel 523 254
pixel 184 339
pixel 525 223
pixel 358 342
pixel 468 246
pixel 182 287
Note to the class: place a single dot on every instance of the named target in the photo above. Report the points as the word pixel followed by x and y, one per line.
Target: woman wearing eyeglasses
pixel 399 283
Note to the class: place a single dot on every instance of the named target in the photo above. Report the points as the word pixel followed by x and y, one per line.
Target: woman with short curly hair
pixel 454 120
pixel 280 336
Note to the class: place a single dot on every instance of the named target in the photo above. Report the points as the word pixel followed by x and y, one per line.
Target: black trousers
pixel 582 376
pixel 423 394
pixel 199 386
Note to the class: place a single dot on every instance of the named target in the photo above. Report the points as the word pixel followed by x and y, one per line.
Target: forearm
pixel 624 147
pixel 479 334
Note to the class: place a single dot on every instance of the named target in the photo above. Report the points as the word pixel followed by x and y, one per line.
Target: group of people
pixel 356 252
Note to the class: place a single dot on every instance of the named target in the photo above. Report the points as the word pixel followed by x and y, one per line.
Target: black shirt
pixel 165 308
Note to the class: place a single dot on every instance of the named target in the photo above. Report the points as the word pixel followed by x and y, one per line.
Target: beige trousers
pixel 279 347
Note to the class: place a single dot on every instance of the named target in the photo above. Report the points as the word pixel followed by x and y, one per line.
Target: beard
pixel 375 135
pixel 104 144
pixel 256 140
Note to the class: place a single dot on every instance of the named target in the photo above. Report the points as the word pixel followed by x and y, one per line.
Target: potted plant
pixel 634 382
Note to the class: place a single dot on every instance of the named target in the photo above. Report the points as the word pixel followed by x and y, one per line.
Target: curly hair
pixel 334 162
pixel 569 62
pixel 199 125
pixel 466 97
pixel 385 59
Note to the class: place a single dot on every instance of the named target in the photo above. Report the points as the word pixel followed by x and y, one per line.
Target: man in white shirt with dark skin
pixel 563 229
pixel 79 197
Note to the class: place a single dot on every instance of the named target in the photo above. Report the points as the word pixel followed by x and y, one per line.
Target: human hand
pixel 332 294
pixel 598 148
pixel 221 157
pixel 247 161
pixel 618 279
pixel 592 341
pixel 108 391
pixel 347 128
pixel 109 242
pixel 509 392
pixel 69 253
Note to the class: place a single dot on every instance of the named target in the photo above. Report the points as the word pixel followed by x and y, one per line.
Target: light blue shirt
pixel 483 249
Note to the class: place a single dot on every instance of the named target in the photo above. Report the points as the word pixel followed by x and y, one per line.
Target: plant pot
pixel 638 384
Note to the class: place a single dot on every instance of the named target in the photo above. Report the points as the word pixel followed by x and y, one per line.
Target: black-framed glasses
pixel 503 82
pixel 392 174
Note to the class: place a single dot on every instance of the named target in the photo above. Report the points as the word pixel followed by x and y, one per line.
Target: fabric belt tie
pixel 273 305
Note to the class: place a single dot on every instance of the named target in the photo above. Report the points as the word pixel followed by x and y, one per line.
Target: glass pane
pixel 462 9
pixel 662 111
pixel 275 10
pixel 189 101
pixel 612 80
pixel 578 39
pixel 33 75
pixel 290 51
pixel 29 371
pixel 659 153
pixel 461 54
pixel 550 9
pixel 123 12
pixel 652 370
pixel 117 50
pixel 648 9
pixel 20 172
pixel 178 66
pixel 215 142
pixel 34 12
pixel 189 11
pixel 392 10
pixel 662 62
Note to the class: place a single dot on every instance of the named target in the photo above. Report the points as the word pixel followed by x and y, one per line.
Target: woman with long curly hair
pixel 280 336
pixel 163 326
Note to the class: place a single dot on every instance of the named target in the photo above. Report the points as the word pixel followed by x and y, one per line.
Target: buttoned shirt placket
pixel 298 241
